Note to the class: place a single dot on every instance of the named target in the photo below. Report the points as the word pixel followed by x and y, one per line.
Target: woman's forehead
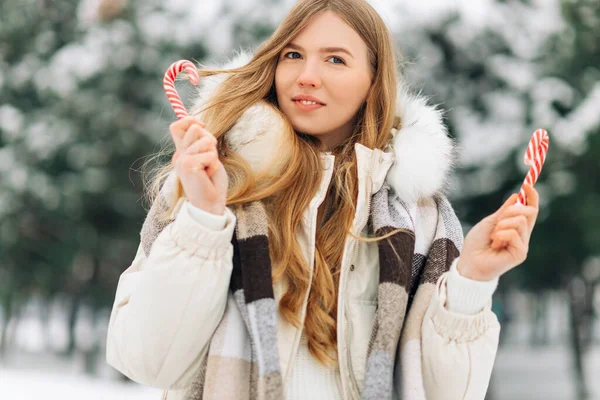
pixel 328 30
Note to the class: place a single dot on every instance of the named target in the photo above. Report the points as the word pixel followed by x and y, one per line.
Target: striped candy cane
pixel 535 157
pixel 177 104
pixel 169 84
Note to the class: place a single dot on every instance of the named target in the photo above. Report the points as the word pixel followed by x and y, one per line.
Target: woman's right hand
pixel 197 165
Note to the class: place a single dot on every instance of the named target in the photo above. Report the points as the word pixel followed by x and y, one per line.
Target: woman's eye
pixel 341 60
pixel 291 52
pixel 287 55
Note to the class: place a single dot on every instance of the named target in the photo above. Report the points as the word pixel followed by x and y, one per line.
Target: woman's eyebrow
pixel 322 49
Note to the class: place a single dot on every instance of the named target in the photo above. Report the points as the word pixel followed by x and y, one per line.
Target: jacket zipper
pixel 355 251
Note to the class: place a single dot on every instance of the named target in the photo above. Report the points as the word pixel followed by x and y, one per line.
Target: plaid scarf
pixel 243 360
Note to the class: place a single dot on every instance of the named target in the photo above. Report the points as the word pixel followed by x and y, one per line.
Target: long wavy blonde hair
pixel 297 184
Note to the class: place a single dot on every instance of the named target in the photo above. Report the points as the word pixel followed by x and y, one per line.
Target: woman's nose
pixel 309 76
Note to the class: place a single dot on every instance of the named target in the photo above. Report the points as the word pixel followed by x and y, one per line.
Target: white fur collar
pixel 424 153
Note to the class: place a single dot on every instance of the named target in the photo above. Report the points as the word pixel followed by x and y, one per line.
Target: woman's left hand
pixel 499 242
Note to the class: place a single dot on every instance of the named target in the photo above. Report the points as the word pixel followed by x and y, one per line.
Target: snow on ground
pixel 525 373
pixel 521 373
pixel 24 384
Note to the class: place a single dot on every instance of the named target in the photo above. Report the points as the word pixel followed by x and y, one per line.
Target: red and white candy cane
pixel 175 100
pixel 169 84
pixel 535 157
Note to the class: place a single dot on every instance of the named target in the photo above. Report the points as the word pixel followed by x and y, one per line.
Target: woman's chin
pixel 307 131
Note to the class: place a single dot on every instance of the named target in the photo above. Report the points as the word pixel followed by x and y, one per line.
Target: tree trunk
pixel 539 333
pixel 7 305
pixel 588 316
pixel 75 304
pixel 575 327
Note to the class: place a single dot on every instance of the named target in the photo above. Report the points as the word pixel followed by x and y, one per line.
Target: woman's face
pixel 327 60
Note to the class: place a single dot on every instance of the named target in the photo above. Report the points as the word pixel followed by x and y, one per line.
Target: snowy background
pixel 82 106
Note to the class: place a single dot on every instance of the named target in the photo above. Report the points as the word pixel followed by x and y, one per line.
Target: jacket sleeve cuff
pixel 208 220
pixel 467 296
pixel 200 240
pixel 455 326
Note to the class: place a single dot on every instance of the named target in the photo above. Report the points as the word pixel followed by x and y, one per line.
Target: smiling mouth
pixel 309 102
pixel 307 106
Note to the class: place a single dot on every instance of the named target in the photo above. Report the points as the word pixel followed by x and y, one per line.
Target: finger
pixel 531 196
pixel 210 162
pixel 529 212
pixel 202 145
pixel 193 133
pixel 206 133
pixel 186 164
pixel 209 167
pixel 514 245
pixel 180 127
pixel 213 167
pixel 192 163
pixel 210 136
pixel 176 155
pixel 510 238
pixel 500 240
pixel 519 223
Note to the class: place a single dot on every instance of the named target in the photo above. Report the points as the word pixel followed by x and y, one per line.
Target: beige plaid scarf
pixel 243 360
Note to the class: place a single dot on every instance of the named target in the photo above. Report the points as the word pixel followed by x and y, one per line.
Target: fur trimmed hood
pixel 424 154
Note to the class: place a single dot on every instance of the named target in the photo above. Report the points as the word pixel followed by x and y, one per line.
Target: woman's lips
pixel 308 107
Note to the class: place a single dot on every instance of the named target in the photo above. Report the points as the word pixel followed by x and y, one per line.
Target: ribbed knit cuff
pixel 208 220
pixel 467 296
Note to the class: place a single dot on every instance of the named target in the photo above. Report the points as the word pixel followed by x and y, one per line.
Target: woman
pixel 302 246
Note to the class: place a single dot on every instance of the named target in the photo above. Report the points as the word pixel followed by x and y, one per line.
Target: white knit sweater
pixel 309 379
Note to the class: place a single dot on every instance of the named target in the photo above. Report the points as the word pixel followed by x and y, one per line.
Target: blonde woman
pixel 301 245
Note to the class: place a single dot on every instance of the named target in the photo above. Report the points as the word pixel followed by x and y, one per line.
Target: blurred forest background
pixel 82 106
